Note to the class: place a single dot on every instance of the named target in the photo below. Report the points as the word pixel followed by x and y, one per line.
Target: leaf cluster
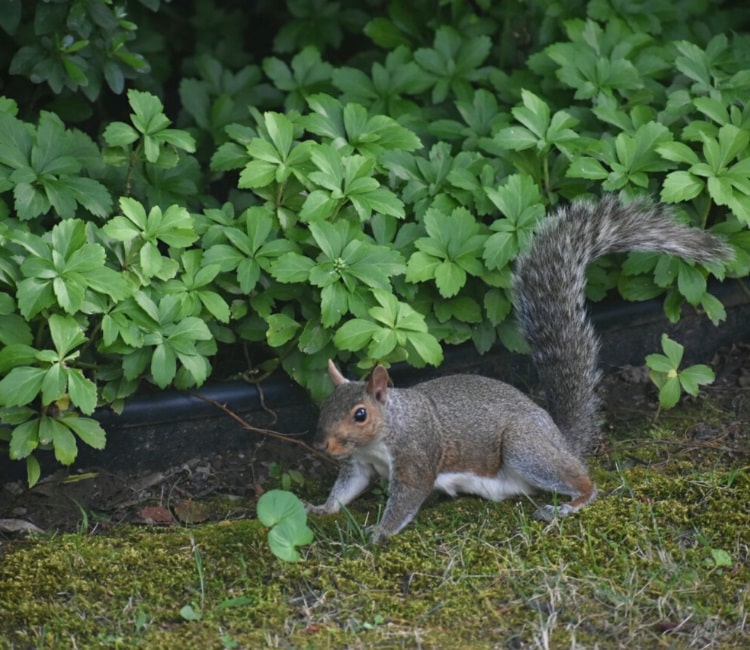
pixel 666 374
pixel 187 187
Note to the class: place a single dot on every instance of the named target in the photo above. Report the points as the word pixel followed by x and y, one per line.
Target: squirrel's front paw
pixel 323 509
pixel 377 535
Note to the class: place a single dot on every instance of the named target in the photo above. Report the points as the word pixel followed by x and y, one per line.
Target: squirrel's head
pixel 351 416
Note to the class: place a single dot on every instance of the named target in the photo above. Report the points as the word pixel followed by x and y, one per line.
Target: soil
pixel 226 486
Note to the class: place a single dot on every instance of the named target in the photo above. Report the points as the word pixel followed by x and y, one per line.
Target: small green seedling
pixel 285 477
pixel 285 515
pixel 669 379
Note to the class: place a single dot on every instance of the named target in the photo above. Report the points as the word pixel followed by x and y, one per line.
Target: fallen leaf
pixel 157 515
pixel 190 512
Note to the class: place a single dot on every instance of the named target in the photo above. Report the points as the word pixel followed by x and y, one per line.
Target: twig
pixel 264 432
pixel 262 399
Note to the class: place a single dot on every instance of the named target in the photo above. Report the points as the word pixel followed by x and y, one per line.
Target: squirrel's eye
pixel 360 415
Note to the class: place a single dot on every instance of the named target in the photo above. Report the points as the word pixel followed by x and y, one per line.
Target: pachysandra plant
pixel 670 379
pixel 317 198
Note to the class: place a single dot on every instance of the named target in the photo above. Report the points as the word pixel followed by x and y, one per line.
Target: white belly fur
pixel 494 488
pixel 378 456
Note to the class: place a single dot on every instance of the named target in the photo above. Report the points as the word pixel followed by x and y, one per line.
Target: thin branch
pixel 264 432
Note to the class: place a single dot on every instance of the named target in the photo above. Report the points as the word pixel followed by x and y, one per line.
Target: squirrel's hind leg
pixel 558 471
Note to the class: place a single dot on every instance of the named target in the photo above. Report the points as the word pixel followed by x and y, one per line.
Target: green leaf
pixel 678 152
pixel 586 167
pixel 177 138
pixel 534 114
pixel 177 227
pixel 33 471
pixel 189 330
pixel 318 206
pixel 449 278
pixel 134 211
pixel 659 363
pixel 24 439
pixel 714 308
pixel 29 201
pixel 89 193
pixel 680 186
pixel 121 229
pixel 276 505
pixel 62 439
pixel 119 134
pixel 87 429
pixel 54 384
pixel 150 259
pixel 286 536
pixel 14 330
pixel 500 249
pixel 669 393
pixel 228 157
pixel 16 354
pixel 721 558
pixel 334 303
pixel 148 115
pixel 515 138
pixel 66 334
pixel 292 267
pixel 355 334
pixel 673 350
pixel 257 174
pixel 69 293
pixel 216 305
pixel 82 391
pixel 421 267
pixel 281 329
pixel 21 385
pixel 109 282
pixel 426 348
pixel 691 283
pixel 281 132
pixel 695 376
pixel 33 296
pixel 196 366
pixel 190 613
pixel 163 365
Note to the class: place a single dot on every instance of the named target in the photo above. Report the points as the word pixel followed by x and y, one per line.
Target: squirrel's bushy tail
pixel 549 286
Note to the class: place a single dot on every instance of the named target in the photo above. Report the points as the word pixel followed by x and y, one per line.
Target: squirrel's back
pixel 549 294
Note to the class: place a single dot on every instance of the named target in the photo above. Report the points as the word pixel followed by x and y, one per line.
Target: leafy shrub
pixel 175 186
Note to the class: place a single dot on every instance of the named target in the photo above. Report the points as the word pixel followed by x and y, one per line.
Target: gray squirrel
pixel 476 435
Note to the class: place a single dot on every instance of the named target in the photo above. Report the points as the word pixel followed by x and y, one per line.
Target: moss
pixel 639 565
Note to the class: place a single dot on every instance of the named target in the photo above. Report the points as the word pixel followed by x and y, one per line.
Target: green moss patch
pixel 659 560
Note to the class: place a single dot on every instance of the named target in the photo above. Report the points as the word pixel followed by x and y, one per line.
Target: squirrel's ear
pixel 377 387
pixel 335 374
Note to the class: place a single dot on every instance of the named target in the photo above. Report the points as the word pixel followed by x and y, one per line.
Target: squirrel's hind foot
pixel 551 512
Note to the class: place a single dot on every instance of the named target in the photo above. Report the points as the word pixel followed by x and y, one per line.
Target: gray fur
pixel 549 295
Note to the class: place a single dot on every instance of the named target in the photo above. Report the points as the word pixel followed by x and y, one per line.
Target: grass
pixel 661 560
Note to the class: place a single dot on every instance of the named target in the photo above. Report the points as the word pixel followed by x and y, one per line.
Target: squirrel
pixel 478 435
